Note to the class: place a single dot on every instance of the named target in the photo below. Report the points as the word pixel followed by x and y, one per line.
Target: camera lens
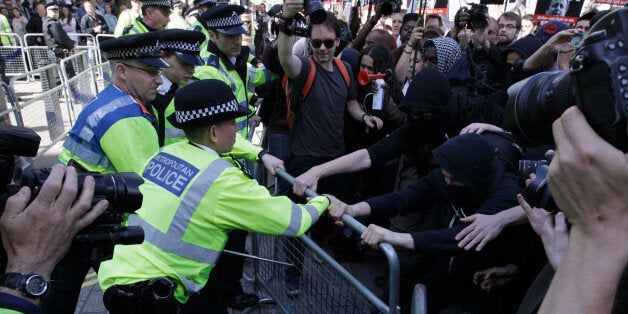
pixel 316 11
pixel 120 189
pixel 535 103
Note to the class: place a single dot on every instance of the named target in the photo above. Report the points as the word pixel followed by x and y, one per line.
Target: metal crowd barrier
pixel 42 109
pixel 80 87
pixel 36 55
pixel 14 55
pixel 326 287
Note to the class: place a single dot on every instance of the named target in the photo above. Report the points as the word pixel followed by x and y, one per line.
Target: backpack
pixel 293 102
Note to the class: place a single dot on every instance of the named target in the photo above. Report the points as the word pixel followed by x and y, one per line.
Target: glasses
pixel 151 71
pixel 507 26
pixel 316 43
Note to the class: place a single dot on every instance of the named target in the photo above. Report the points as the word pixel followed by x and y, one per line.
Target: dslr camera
pixel 597 83
pixel 472 18
pixel 96 241
pixel 389 7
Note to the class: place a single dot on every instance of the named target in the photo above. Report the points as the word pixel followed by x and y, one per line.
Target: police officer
pixel 180 48
pixel 113 133
pixel 176 18
pixel 155 17
pixel 192 199
pixel 199 25
pixel 228 60
pixel 59 43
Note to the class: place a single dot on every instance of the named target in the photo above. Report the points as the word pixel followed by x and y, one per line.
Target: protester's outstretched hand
pixel 480 232
pixel 307 180
pixel 37 235
pixel 551 228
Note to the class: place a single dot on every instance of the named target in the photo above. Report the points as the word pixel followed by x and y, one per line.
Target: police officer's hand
pixel 271 163
pixel 37 236
pixel 291 7
pixel 373 122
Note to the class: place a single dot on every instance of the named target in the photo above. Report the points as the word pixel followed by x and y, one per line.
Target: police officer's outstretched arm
pixel 289 62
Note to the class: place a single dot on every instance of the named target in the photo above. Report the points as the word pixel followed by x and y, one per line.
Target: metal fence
pixel 80 84
pixel 325 286
pixel 14 55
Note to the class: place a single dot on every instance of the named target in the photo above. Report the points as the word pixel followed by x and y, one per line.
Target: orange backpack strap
pixel 343 69
pixel 310 79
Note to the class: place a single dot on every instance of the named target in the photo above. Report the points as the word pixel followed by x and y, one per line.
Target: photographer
pixel 36 236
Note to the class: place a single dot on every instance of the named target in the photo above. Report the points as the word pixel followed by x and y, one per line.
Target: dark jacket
pixel 88 23
pixel 35 25
pixel 56 38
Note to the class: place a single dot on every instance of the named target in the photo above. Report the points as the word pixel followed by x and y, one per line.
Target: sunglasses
pixel 316 43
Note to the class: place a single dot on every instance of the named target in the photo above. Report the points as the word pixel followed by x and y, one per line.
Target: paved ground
pixel 90 300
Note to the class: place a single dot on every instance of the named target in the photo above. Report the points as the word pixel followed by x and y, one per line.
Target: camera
pixel 389 7
pixel 596 83
pixel 315 11
pixel 121 190
pixel 537 193
pixel 472 18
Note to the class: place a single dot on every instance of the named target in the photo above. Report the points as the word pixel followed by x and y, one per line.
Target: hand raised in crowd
pixel 291 7
pixel 480 127
pixel 37 235
pixel 416 36
pixel 551 228
pixel 480 232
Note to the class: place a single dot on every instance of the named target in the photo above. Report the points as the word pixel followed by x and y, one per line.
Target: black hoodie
pixel 471 160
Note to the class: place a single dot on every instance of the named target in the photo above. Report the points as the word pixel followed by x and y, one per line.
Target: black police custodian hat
pixel 193 105
pixel 52 6
pixel 225 18
pixel 142 47
pixel 200 3
pixel 185 44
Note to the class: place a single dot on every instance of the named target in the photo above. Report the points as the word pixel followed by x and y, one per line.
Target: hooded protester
pixel 443 54
pixel 470 180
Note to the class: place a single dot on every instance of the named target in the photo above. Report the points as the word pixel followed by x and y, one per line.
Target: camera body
pixel 597 83
pixel 389 7
pixel 472 18
pixel 96 241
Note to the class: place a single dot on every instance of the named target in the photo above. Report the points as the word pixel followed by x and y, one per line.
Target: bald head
pixel 381 37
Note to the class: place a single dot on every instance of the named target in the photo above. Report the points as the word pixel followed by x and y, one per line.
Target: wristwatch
pixel 31 285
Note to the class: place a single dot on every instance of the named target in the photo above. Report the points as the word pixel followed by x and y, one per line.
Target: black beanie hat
pixel 410 17
pixel 525 47
pixel 429 90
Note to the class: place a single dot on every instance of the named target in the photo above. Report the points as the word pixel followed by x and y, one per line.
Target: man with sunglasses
pixel 113 133
pixel 155 17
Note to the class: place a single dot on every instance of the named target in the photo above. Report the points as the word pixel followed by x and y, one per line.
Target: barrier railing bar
pixel 386 248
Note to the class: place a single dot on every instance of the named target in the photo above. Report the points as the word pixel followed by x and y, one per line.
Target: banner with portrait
pixel 566 11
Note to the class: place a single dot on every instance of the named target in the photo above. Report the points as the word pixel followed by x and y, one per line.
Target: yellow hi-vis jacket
pixel 192 199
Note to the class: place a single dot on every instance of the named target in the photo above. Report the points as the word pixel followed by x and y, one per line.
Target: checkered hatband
pixel 157 3
pixel 206 2
pixel 181 46
pixel 225 22
pixel 189 115
pixel 127 53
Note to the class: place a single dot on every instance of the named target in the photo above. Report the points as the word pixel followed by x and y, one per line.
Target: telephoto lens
pixel 315 11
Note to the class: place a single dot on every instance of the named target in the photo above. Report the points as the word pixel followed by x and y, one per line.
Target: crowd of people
pixel 403 127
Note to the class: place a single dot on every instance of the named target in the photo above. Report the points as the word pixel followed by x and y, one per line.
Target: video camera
pixel 472 18
pixel 389 7
pixel 597 83
pixel 121 190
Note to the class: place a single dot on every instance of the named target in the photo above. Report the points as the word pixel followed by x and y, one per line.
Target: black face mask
pixel 460 195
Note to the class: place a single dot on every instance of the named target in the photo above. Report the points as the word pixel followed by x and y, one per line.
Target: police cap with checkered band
pixel 194 106
pixel 142 47
pixel 225 19
pixel 185 44
pixel 208 3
